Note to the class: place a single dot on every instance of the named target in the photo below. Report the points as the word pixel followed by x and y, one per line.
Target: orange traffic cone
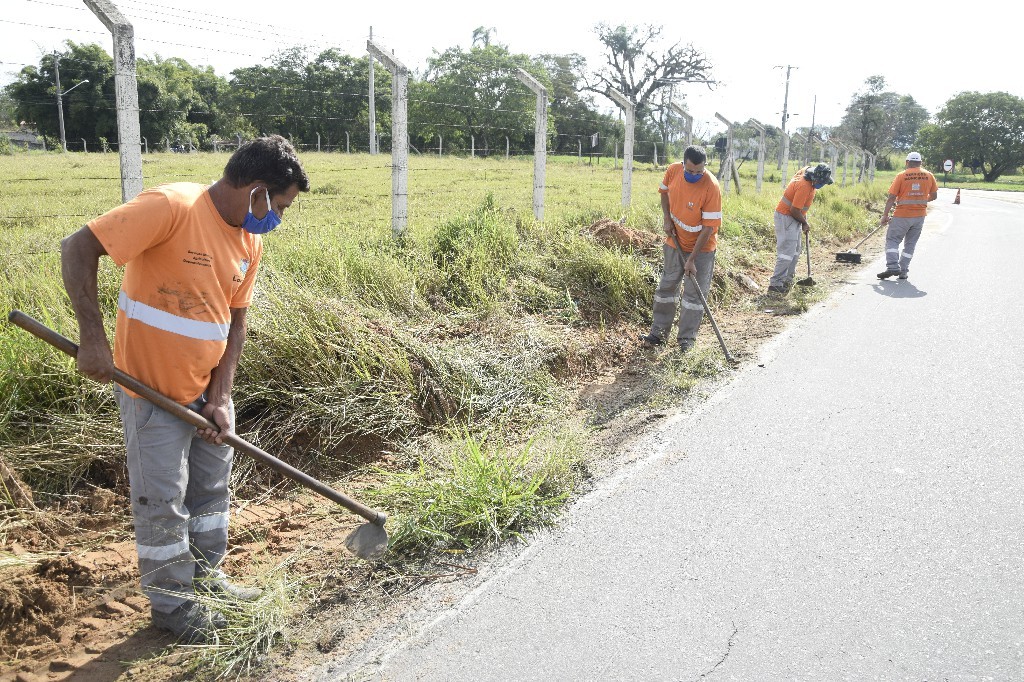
pixel 957 200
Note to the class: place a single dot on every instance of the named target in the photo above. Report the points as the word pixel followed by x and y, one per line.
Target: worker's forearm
pixel 222 378
pixel 702 239
pixel 79 268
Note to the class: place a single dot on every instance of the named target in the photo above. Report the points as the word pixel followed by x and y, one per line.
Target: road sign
pixel 947 165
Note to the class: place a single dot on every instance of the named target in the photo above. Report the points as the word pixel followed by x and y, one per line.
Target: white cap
pixel 914 156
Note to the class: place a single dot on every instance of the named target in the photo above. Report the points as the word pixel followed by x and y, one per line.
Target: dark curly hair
pixel 271 159
pixel 695 155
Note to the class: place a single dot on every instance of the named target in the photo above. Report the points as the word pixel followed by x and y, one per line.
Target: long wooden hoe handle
pixel 41 331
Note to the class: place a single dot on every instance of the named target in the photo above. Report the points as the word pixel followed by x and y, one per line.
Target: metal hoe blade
pixel 369 541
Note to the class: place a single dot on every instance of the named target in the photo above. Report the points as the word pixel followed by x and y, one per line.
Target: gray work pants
pixel 666 296
pixel 787 250
pixel 907 231
pixel 179 489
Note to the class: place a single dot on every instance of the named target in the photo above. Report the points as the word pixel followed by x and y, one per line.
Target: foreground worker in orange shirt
pixel 790 217
pixel 691 202
pixel 910 192
pixel 190 254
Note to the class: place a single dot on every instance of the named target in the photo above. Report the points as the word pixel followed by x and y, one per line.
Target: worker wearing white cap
pixel 910 192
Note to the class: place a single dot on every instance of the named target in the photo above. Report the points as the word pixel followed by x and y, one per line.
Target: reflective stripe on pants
pixel 906 231
pixel 179 497
pixel 787 249
pixel 691 311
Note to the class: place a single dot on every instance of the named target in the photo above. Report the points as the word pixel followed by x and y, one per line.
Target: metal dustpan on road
pixel 853 256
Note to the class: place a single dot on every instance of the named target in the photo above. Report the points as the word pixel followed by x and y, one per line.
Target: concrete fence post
pixel 540 140
pixel 440 144
pixel 347 148
pixel 725 171
pixel 472 146
pixel 399 136
pixel 688 119
pixel 85 147
pixel 507 147
pixel 760 154
pixel 372 103
pixel 145 146
pixel 126 94
pixel 627 145
pixel 318 141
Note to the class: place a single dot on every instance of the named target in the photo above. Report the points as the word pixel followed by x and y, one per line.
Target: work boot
pixel 777 289
pixel 686 344
pixel 218 585
pixel 903 275
pixel 651 340
pixel 190 623
pixel 888 273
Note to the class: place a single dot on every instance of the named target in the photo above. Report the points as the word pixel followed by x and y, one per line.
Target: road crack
pixel 728 650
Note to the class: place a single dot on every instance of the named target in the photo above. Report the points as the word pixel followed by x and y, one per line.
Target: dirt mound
pixel 30 608
pixel 614 233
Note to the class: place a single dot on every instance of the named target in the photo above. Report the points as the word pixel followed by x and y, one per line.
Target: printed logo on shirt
pixel 243 265
pixel 916 186
pixel 689 204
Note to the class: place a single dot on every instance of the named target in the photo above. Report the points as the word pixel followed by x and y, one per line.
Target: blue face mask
pixel 692 177
pixel 819 185
pixel 255 225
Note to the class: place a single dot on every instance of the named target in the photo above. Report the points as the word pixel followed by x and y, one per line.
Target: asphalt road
pixel 851 509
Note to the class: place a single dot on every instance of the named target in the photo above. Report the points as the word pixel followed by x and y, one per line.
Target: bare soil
pixel 78 614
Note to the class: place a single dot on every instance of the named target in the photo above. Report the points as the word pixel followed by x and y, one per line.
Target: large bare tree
pixel 639 66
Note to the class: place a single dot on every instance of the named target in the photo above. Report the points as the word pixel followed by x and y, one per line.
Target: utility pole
pixel 373 105
pixel 60 100
pixel 785 103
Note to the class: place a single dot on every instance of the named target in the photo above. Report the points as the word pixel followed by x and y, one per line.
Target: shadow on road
pixel 898 289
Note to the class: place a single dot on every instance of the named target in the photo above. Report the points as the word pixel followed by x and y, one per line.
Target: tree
pixel 89 111
pixel 474 92
pixel 301 96
pixel 984 127
pixel 184 103
pixel 572 116
pixel 482 36
pixel 636 67
pixel 881 121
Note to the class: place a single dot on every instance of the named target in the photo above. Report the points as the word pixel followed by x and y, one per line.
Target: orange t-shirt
pixel 799 192
pixel 184 269
pixel 694 206
pixel 912 187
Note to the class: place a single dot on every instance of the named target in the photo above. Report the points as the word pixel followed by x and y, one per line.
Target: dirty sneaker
pixel 685 344
pixel 777 289
pixel 190 623
pixel 888 273
pixel 652 340
pixel 218 585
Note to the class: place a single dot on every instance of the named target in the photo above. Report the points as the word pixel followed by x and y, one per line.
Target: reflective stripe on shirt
pixel 165 321
pixel 688 228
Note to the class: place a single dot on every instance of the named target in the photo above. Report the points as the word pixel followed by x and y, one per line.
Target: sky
pixel 928 52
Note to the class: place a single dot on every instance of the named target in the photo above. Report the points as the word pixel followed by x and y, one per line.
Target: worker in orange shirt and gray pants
pixel 691 202
pixel 910 192
pixel 790 217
